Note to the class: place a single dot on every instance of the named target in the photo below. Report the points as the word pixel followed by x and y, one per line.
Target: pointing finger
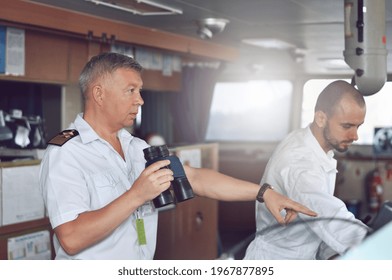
pixel 301 209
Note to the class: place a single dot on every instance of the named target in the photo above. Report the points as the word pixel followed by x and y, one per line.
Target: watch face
pixel 382 141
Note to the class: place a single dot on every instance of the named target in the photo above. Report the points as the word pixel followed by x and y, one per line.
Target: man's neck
pixel 104 130
pixel 318 134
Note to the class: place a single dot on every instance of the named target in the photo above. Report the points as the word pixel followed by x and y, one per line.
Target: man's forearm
pixel 212 184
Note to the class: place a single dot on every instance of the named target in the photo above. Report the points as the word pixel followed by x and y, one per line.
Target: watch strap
pixel 261 192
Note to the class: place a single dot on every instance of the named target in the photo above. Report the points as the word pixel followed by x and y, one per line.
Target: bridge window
pixel 250 111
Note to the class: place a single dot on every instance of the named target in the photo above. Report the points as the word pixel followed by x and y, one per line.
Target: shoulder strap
pixel 63 137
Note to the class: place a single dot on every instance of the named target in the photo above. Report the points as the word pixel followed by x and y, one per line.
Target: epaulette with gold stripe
pixel 63 137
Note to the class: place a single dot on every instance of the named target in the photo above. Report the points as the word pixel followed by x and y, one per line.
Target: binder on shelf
pixel 2 48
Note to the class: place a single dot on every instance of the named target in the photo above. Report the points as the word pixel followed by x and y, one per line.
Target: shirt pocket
pixel 107 187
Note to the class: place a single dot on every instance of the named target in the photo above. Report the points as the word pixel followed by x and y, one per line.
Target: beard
pixel 333 142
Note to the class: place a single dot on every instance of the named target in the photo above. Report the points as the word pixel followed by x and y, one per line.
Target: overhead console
pixel 365 43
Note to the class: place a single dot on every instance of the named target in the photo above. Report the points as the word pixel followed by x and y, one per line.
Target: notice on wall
pixel 21 199
pixel 167 69
pixel 32 246
pixel 122 49
pixel 15 51
pixel 191 157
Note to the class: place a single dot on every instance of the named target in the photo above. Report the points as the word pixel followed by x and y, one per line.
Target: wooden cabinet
pixel 21 229
pixel 190 230
pixel 25 231
pixel 54 58
pixel 59 59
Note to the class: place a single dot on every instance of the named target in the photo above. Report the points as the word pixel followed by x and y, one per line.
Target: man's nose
pixel 354 134
pixel 140 100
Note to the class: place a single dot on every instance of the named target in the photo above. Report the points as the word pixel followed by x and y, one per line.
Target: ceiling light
pixel 139 7
pixel 208 27
pixel 269 43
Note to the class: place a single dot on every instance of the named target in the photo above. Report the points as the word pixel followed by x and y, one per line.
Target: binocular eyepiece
pixel 181 187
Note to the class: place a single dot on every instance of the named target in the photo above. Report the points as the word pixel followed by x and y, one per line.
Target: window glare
pixel 250 111
pixel 378 112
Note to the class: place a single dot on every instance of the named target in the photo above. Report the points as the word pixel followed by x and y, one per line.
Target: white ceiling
pixel 314 27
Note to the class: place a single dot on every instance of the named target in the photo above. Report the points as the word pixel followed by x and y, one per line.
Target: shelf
pixel 13 228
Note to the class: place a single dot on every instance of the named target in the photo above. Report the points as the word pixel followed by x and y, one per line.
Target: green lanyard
pixel 140 229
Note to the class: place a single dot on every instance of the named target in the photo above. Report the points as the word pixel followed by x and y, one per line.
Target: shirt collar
pixel 88 134
pixel 327 159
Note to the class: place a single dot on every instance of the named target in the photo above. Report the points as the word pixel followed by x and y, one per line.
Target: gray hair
pixel 102 65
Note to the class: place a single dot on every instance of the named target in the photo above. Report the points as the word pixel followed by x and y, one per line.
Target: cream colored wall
pixel 71 104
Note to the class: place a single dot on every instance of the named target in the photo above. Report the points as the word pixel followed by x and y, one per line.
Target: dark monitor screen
pixel 383 217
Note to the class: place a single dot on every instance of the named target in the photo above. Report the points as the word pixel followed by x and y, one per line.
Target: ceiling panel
pixel 315 27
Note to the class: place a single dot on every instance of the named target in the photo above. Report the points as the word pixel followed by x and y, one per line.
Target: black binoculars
pixel 180 185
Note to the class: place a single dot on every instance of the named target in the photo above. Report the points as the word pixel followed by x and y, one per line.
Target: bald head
pixel 331 97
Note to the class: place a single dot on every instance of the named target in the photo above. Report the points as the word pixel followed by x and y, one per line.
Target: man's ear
pixel 320 119
pixel 97 94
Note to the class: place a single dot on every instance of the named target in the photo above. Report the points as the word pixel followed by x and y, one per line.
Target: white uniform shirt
pixel 301 170
pixel 86 174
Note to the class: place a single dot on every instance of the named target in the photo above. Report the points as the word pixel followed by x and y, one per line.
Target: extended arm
pixel 212 184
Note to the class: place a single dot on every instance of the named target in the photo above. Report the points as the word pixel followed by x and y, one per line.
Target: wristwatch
pixel 261 192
